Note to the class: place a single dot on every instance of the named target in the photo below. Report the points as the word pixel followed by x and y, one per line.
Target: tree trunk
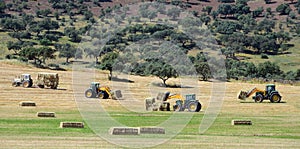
pixel 96 59
pixel 67 60
pixel 164 80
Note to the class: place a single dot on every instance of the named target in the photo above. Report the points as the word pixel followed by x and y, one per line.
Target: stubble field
pixel 275 125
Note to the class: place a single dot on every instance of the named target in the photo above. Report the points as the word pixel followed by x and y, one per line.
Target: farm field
pixel 275 125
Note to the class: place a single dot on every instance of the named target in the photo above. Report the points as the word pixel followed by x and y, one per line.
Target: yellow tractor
pixel 104 92
pixel 161 102
pixel 270 94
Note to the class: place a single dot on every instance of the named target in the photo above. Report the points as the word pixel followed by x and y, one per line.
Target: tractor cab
pixel 95 86
pixel 26 77
pixel 270 88
pixel 24 80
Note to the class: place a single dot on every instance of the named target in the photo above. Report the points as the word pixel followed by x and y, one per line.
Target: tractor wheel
pixel 89 93
pixel 193 106
pixel 275 98
pixel 103 95
pixel 199 106
pixel 26 84
pixel 177 108
pixel 259 98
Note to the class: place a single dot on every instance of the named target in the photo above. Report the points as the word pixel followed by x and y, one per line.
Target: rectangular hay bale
pixel 46 114
pixel 125 131
pixel 71 125
pixel 152 130
pixel 27 103
pixel 241 122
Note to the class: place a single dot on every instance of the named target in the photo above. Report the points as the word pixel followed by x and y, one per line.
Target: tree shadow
pixel 170 86
pixel 116 79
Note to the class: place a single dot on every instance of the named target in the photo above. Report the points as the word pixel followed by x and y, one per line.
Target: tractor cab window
pixel 97 85
pixel 26 77
pixel 270 88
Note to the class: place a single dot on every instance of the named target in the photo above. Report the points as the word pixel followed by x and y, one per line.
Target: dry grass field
pixel 275 125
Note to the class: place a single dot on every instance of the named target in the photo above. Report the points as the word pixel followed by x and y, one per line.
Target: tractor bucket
pixel 116 94
pixel 242 95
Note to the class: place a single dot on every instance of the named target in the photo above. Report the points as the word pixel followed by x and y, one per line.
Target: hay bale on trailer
pixel 47 79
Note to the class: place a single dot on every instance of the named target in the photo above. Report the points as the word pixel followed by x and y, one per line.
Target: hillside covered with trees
pixel 53 29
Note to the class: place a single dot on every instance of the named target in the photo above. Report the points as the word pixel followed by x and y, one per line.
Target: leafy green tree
pixel 268 68
pixel 160 69
pixel 12 24
pixel 88 15
pixel 66 50
pixel 152 15
pixel 266 25
pixel 174 13
pixel 108 61
pixel 39 55
pixel 2 6
pixel 257 12
pixel 205 18
pixel 203 69
pixel 284 9
pixel 227 27
pixel 73 34
pixel 20 35
pixel 226 9
pixel 208 9
pixel 48 24
pixel 15 46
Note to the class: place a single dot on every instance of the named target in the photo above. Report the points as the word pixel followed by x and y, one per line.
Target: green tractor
pixel 270 94
pixel 104 92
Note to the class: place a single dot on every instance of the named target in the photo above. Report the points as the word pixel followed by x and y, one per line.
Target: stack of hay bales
pixel 158 103
pixel 47 79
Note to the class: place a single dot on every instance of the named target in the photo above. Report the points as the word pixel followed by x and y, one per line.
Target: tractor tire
pixel 89 93
pixel 275 98
pixel 103 95
pixel 194 106
pixel 259 98
pixel 26 84
pixel 178 106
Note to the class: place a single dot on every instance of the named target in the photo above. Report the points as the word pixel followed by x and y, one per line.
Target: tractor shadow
pixel 266 102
